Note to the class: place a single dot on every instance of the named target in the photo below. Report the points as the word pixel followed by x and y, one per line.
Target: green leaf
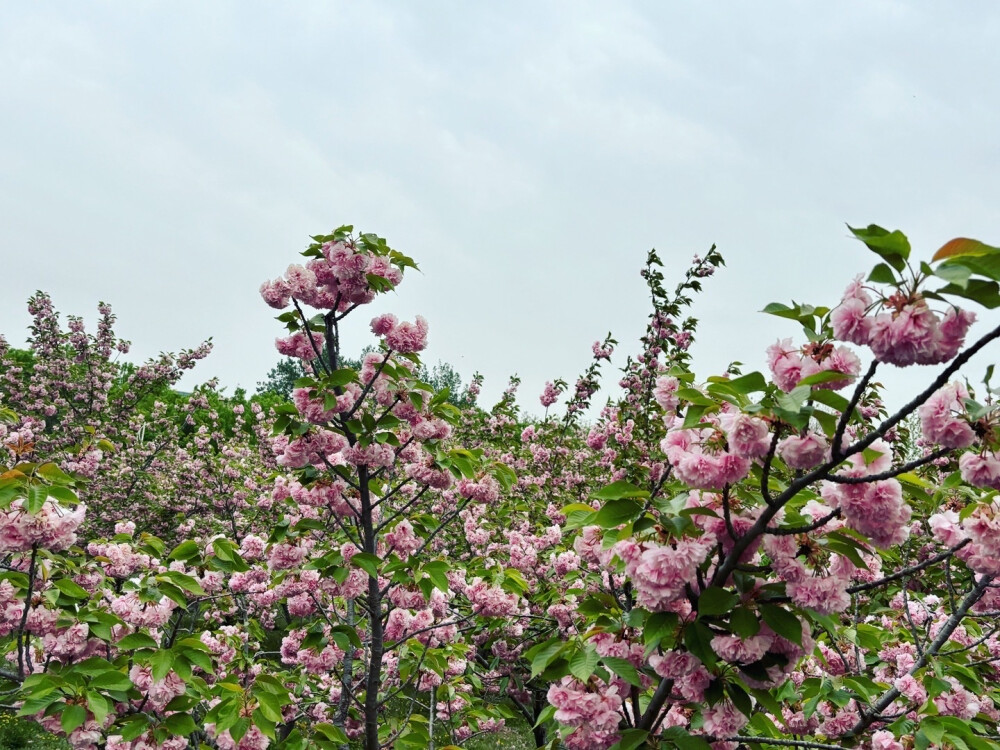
pixel 782 622
pixel 795 399
pixel 98 706
pixel 831 399
pixel 933 729
pixel 180 724
pixel 130 727
pixel 136 641
pixel 270 706
pixel 954 273
pixel 113 680
pixel 93 666
pixel 184 551
pixel 38 703
pixel 184 581
pixel 740 699
pixel 161 662
pixel 963 246
pixel 984 265
pixel 882 274
pixel 744 623
pixel 223 549
pixel 658 626
pixel 63 495
pixel 367 562
pixel 616 512
pixel 752 382
pixel 631 739
pixel 623 668
pixel 71 589
pixel 767 700
pixel 782 311
pixel 680 738
pixel 826 376
pixel 544 654
pixel 986 293
pixel 716 601
pixel 698 640
pixel 72 716
pixel 52 473
pixel 871 455
pixel 332 733
pixel 436 570
pixel 694 396
pixel 892 247
pixel 36 497
pixel 848 547
pixel 340 377
pixel 583 663
pixel 618 490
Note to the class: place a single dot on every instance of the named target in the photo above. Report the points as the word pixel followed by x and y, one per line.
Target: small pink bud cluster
pixel 300 345
pixel 491 601
pixel 486 490
pixel 550 394
pixel 601 352
pixel 825 591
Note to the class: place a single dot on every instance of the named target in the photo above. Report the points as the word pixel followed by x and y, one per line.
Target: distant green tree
pixel 280 380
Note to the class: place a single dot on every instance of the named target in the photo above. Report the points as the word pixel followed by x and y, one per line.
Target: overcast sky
pixel 167 157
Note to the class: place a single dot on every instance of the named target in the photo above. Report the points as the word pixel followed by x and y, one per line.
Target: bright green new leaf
pixel 892 247
pixel 583 663
pixel 616 512
pixel 71 717
pixel 618 490
pixel 623 668
pixel 71 589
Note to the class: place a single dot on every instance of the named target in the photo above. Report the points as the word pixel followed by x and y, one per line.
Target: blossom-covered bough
pixel 784 571
pixel 756 560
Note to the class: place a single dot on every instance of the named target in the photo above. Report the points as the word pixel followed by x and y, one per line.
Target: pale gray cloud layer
pixel 168 157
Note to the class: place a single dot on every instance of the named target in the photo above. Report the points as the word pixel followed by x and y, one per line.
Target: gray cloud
pixel 168 157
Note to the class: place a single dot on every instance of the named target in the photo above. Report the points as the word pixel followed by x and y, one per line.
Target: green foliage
pixel 18 733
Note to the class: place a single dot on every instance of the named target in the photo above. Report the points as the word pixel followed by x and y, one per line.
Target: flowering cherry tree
pixel 777 570
pixel 760 558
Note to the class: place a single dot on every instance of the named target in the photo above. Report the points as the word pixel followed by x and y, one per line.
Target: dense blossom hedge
pixel 746 559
